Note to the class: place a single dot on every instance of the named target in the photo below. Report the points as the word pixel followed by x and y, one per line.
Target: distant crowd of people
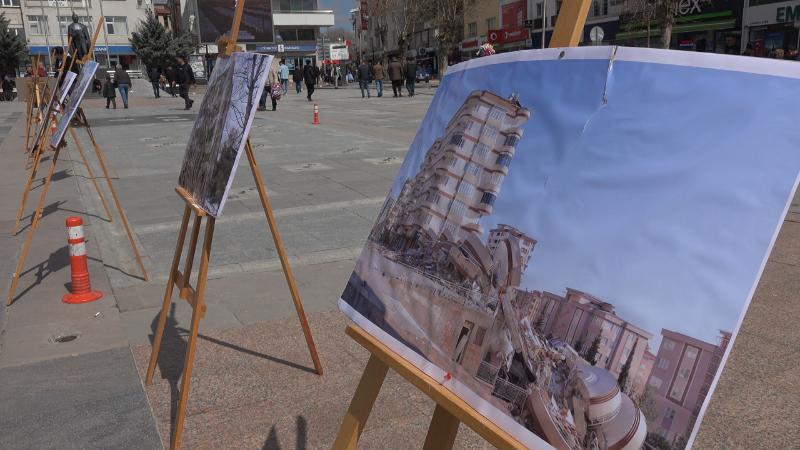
pixel 398 74
pixel 789 53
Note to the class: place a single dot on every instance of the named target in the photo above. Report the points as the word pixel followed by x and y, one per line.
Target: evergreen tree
pixel 13 51
pixel 155 46
pixel 591 354
pixel 626 368
pixel 579 345
pixel 649 406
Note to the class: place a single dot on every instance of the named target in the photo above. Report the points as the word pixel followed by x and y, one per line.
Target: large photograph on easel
pixel 575 243
pixel 221 129
pixel 81 85
pixel 256 25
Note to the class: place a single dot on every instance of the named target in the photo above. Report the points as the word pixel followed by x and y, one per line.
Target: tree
pixel 380 11
pixel 663 11
pixel 406 15
pixel 13 51
pixel 591 354
pixel 579 345
pixel 639 14
pixel 658 441
pixel 626 368
pixel 449 15
pixel 155 46
pixel 340 34
pixel 649 406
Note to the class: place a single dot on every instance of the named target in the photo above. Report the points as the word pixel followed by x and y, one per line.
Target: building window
pixel 488 198
pixel 456 139
pixel 511 140
pixel 643 365
pixel 297 5
pixel 473 29
pixel 676 393
pixel 10 3
pixel 117 25
pixel 294 34
pixel 474 169
pixel 605 361
pixel 466 188
pixel 640 373
pixel 454 162
pixel 482 150
pixel 498 113
pixel 538 10
pixel 631 337
pixel 591 336
pixel 504 160
pixel 497 179
pixel 613 345
pixel 620 366
pixel 428 219
pixel 597 321
pixel 433 197
pixel 608 326
pixel 669 413
pixel 469 125
pixel 637 380
pixel 477 108
pixel 655 382
pixel 450 225
pixel 626 352
pixel 490 132
pixel 38 25
pixel 691 352
pixel 445 180
pixel 668 344
pixel 459 208
pixel 616 329
pixel 491 24
pixel 684 373
pixel 603 341
pixel 663 363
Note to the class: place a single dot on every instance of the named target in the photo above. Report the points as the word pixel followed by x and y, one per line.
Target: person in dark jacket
pixel 154 80
pixel 310 75
pixel 395 71
pixel 365 75
pixel 66 61
pixel 411 76
pixel 109 92
pixel 170 76
pixel 184 79
pixel 123 82
pixel 297 77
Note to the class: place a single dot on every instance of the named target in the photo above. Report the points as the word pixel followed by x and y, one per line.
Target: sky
pixel 664 201
pixel 341 10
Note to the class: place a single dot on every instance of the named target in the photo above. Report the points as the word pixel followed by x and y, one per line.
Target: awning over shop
pixel 681 28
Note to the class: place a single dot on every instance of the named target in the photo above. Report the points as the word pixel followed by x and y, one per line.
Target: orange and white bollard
pixel 53 127
pixel 81 285
pixel 316 115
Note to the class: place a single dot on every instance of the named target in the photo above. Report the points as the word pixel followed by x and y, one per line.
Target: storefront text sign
pixel 772 13
pixel 511 34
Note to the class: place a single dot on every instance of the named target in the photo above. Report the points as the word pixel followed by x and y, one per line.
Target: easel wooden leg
pixel 103 155
pixel 116 200
pixel 162 320
pixel 361 405
pixel 443 430
pixel 287 270
pixel 34 225
pixel 31 177
pixel 86 163
pixel 198 312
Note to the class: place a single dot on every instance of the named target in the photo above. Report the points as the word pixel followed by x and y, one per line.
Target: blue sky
pixel 663 202
pixel 341 10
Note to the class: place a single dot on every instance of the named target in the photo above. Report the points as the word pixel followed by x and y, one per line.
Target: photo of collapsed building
pixel 428 279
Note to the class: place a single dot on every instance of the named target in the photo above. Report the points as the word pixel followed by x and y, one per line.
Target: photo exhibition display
pixel 574 230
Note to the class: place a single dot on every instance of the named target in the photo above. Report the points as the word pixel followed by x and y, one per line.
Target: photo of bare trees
pixel 222 125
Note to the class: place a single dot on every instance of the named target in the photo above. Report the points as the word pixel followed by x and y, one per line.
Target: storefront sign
pixel 364 15
pixel 514 14
pixel 772 13
pixel 286 48
pixel 473 43
pixel 511 34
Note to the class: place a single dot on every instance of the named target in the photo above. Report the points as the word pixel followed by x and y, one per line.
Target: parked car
pixel 423 76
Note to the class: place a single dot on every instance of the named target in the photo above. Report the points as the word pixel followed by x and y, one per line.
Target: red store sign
pixel 511 34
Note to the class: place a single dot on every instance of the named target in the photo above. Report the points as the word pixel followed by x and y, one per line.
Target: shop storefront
pixel 293 55
pixel 713 27
pixel 106 56
pixel 771 25
pixel 509 39
pixel 469 47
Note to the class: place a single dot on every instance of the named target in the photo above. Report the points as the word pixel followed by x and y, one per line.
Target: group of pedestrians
pixel 173 81
pixel 398 74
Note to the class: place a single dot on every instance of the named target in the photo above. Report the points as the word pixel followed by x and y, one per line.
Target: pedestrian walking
pixel 123 82
pixel 297 77
pixel 272 88
pixel 310 75
pixel 791 53
pixel 184 79
pixel 365 75
pixel 411 76
pixel 284 73
pixel 110 93
pixel 8 87
pixel 395 71
pixel 155 79
pixel 380 74
pixel 171 76
pixel 335 75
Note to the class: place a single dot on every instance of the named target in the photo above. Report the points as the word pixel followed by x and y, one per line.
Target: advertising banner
pixel 562 238
pixel 514 14
pixel 766 13
pixel 215 18
pixel 511 34
pixel 364 15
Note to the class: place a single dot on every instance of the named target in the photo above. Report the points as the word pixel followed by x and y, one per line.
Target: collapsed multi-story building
pixel 463 171
pixel 526 243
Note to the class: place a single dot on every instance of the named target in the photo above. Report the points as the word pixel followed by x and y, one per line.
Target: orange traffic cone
pixel 81 285
pixel 53 127
pixel 316 115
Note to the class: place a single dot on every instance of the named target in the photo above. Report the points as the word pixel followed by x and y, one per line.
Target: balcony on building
pixel 486 205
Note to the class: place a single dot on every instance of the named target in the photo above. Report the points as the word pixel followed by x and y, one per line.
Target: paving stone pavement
pixel 253 385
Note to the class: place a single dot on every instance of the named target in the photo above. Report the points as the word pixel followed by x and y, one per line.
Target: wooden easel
pixel 37 90
pixel 450 410
pixel 194 295
pixel 80 119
